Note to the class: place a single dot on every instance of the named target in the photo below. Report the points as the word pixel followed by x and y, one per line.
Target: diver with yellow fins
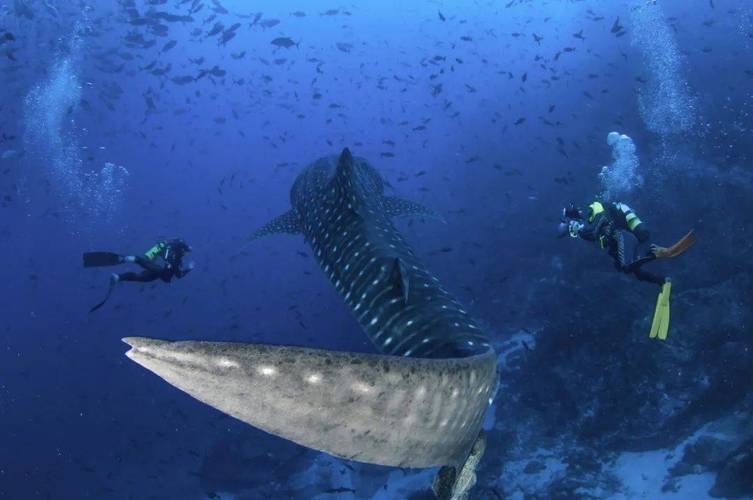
pixel 619 231
pixel 163 261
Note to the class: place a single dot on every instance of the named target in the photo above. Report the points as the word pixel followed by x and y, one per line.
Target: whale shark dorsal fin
pixel 289 222
pixel 345 182
pixel 401 278
pixel 397 207
pixel 344 171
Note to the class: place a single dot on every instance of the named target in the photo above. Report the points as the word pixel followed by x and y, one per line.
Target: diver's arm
pixel 587 232
pixel 147 264
pixel 180 272
pixel 577 229
pixel 592 231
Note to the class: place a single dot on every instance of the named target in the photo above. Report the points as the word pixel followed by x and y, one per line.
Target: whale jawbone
pixel 387 410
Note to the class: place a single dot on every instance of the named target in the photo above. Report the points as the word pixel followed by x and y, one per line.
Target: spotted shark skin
pixel 418 404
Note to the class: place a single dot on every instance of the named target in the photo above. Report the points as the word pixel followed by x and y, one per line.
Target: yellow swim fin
pixel 660 324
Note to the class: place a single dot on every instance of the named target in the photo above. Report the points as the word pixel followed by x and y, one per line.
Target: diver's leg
pixel 631 252
pixel 142 277
pixel 648 277
pixel 643 255
pixel 147 264
pixel 642 233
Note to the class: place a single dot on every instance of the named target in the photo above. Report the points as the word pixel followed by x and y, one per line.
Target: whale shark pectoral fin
pixel 388 410
pixel 289 222
pixel 401 278
pixel 397 207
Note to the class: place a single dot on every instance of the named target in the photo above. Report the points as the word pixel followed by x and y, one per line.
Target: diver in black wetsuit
pixel 163 261
pixel 617 228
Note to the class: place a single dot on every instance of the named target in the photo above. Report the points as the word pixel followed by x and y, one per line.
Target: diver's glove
pixel 574 228
pixel 189 267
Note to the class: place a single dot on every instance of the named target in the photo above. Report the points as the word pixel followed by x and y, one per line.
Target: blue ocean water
pixel 126 123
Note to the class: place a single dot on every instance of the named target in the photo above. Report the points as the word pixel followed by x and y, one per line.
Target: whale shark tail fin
pixel 289 222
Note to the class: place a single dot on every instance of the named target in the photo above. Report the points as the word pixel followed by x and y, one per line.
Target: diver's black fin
pixel 107 296
pixel 289 222
pixel 400 277
pixel 395 207
pixel 101 259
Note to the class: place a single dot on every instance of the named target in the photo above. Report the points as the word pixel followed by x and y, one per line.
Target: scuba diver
pixel 618 230
pixel 163 261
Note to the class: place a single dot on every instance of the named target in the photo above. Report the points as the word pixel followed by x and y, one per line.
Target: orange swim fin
pixel 678 248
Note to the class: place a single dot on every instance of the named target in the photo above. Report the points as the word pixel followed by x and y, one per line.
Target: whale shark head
pixel 419 403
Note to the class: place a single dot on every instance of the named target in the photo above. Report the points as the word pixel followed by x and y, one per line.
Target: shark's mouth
pixel 397 409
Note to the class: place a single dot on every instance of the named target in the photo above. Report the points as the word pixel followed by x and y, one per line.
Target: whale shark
pixel 418 402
